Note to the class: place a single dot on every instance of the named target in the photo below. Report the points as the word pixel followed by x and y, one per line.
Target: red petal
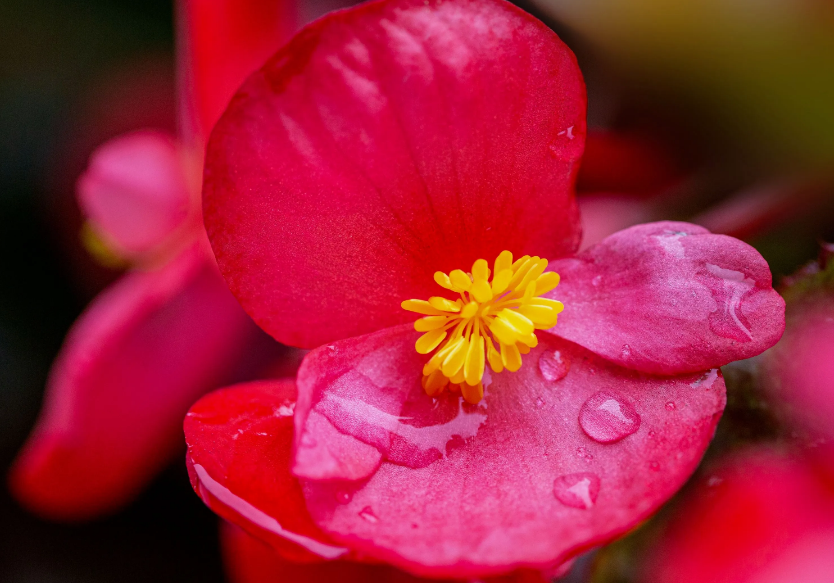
pixel 384 143
pixel 238 458
pixel 135 191
pixel 129 369
pixel 669 298
pixel 547 465
pixel 750 522
pixel 221 43
pixel 248 560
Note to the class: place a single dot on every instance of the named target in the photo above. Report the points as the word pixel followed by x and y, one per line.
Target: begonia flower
pixel 760 517
pixel 169 330
pixel 385 157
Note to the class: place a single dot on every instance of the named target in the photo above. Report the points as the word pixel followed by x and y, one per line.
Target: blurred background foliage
pixel 742 91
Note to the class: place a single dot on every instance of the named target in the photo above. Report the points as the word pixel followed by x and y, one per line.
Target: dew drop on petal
pixel 553 365
pixel 706 381
pixel 625 352
pixel 578 490
pixel 343 496
pixel 728 288
pixel 539 402
pixel 670 406
pixel 583 453
pixel 368 514
pixel 606 417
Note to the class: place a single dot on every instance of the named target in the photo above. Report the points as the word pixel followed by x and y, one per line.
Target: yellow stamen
pixel 492 322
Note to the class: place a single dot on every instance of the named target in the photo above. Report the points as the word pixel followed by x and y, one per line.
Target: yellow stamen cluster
pixel 505 311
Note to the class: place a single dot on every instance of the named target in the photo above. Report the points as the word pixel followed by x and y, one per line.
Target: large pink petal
pixel 382 144
pixel 239 458
pixel 669 298
pixel 565 454
pixel 128 371
pixel 220 43
pixel 248 560
pixel 135 191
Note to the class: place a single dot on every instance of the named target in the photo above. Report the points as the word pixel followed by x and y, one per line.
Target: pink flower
pixel 383 149
pixel 758 518
pixel 169 330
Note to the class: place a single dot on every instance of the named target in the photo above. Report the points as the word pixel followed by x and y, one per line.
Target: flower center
pixel 505 311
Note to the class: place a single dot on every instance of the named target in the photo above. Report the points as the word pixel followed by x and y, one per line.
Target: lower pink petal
pixel 129 369
pixel 669 298
pixel 553 461
pixel 248 560
pixel 238 458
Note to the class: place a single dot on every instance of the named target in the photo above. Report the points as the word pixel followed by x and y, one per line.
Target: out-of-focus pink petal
pixel 669 298
pixel 605 214
pixel 800 369
pixel 248 560
pixel 128 371
pixel 135 191
pixel 220 43
pixel 386 142
pixel 553 461
pixel 239 450
pixel 759 518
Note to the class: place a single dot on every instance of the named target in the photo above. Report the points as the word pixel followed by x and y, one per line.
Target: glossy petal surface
pixel 382 144
pixel 523 478
pixel 221 43
pixel 238 459
pixel 249 560
pixel 135 191
pixel 759 518
pixel 669 298
pixel 128 371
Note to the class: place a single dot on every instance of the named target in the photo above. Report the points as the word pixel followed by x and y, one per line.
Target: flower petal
pixel 383 144
pixel 128 371
pixel 135 191
pixel 222 42
pixel 669 298
pixel 238 459
pixel 565 454
pixel 248 560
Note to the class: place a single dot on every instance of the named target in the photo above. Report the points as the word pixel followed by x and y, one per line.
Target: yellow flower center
pixel 505 311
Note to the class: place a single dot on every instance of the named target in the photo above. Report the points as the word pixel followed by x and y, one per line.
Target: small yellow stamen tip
pixel 493 322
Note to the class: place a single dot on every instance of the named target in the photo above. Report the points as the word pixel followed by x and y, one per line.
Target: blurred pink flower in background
pixel 169 330
pixel 761 516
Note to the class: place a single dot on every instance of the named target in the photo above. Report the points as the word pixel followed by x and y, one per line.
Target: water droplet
pixel 553 365
pixel 654 466
pixel 670 406
pixel 596 281
pixel 652 434
pixel 607 417
pixel 415 432
pixel 584 453
pixel 707 380
pixel 368 515
pixel 343 496
pixel 539 402
pixel 728 288
pixel 625 352
pixel 578 490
